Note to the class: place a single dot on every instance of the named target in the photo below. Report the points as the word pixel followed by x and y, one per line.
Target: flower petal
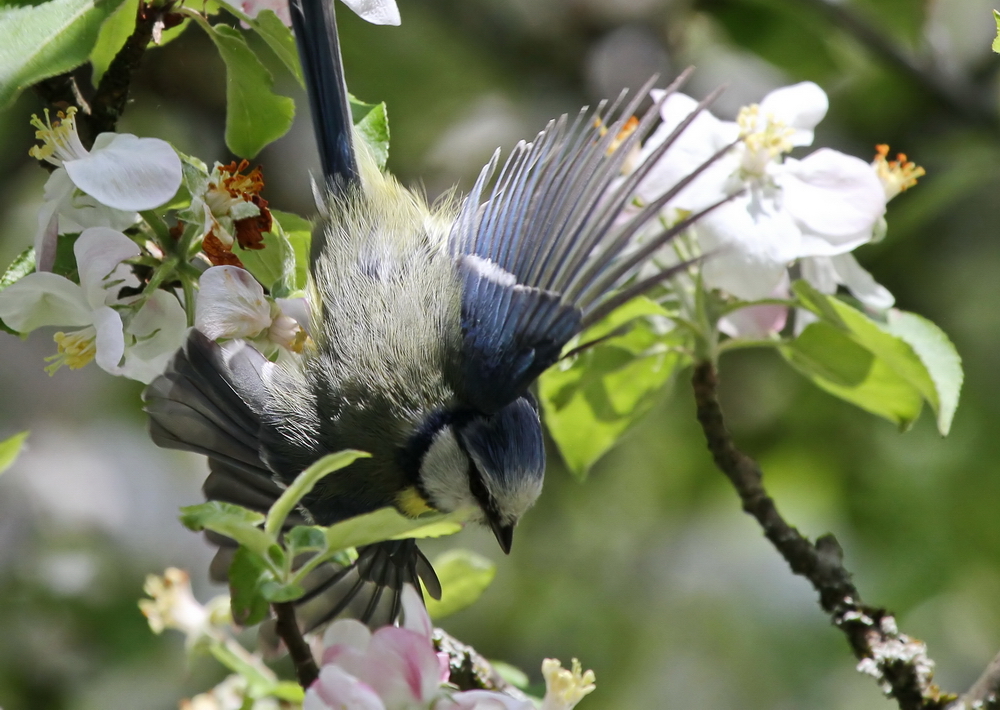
pixel 128 173
pixel 349 633
pixel 158 330
pixel 336 689
pixel 415 616
pixel 231 304
pixel 750 243
pixel 378 12
pixel 861 283
pixel 278 7
pixel 110 339
pixel 483 700
pixel 800 106
pixel 835 196
pixel 99 251
pixel 42 299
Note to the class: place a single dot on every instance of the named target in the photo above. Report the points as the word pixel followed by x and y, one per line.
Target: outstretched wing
pixel 544 255
pixel 209 401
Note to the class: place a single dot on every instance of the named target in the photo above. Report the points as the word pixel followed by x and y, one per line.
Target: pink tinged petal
pixel 279 7
pixel 415 617
pixel 110 339
pixel 42 299
pixel 378 12
pixel 861 283
pixel 754 322
pixel 336 689
pixel 415 669
pixel 346 633
pixel 99 251
pixel 231 304
pixel 158 330
pixel 800 106
pixel 128 173
pixel 483 700
pixel 833 195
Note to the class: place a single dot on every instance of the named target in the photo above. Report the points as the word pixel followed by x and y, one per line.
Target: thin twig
pixel 287 628
pixel 983 695
pixel 899 663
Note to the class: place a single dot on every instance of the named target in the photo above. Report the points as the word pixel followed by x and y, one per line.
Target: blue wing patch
pixel 511 333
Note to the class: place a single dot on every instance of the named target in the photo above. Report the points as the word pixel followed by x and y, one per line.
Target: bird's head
pixel 492 464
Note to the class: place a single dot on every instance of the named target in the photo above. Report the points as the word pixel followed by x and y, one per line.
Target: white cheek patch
pixel 444 473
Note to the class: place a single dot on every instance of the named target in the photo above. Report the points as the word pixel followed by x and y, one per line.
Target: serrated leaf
pixel 304 483
pixel 298 233
pixel 233 521
pixel 277 593
pixel 592 400
pixel 855 358
pixel 845 369
pixel 255 115
pixel 10 449
pixel 374 130
pixel 281 41
pixel 268 265
pixel 111 38
pixel 388 524
pixel 247 573
pixel 48 39
pixel 938 354
pixel 464 577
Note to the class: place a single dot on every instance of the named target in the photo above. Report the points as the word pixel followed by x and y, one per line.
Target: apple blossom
pixel 231 304
pixel 103 187
pixel 138 347
pixel 229 208
pixel 784 209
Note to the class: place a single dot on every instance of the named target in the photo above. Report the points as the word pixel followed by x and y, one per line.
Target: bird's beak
pixel 504 534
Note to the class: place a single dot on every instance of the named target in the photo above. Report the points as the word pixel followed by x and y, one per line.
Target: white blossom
pixel 378 12
pixel 784 209
pixel 138 350
pixel 104 187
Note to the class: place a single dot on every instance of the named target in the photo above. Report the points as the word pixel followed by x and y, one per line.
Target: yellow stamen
pixel 765 139
pixel 896 175
pixel 75 350
pixel 565 687
pixel 60 140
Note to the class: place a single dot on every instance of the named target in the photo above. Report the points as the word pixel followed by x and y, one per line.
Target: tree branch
pixel 899 664
pixel 469 670
pixel 983 695
pixel 287 628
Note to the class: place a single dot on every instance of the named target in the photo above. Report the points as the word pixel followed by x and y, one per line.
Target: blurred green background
pixel 649 572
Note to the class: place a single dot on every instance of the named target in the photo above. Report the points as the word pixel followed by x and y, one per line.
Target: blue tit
pixel 429 326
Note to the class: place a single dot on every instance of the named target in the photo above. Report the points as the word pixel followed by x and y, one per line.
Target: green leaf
pixel 373 128
pixel 10 449
pixel 388 524
pixel 111 38
pixel 464 577
pixel 268 265
pixel 255 115
pixel 303 485
pixel 276 592
pixel 45 40
pixel 856 359
pixel 591 400
pixel 23 264
pixel 836 363
pixel 996 42
pixel 305 538
pixel 233 521
pixel 281 41
pixel 298 233
pixel 246 575
pixel 938 354
pixel 512 674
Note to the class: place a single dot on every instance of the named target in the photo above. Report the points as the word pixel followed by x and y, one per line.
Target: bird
pixel 429 326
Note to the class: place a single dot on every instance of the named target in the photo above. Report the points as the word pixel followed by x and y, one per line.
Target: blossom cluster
pixel 779 212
